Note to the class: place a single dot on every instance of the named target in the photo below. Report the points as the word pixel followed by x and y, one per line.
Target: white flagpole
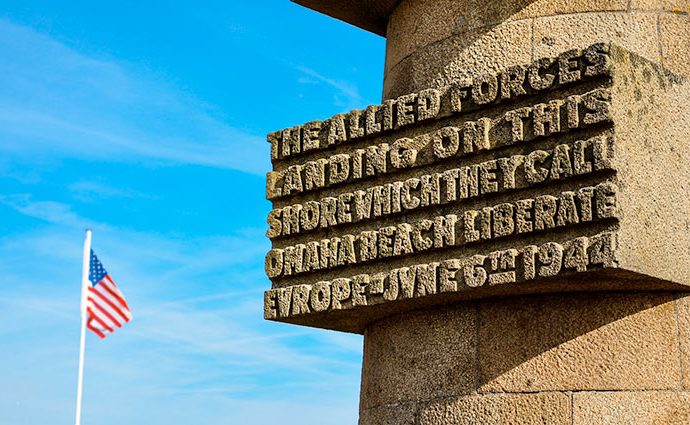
pixel 82 343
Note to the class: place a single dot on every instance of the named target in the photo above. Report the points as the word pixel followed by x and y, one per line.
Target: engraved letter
pixel 339 167
pixel 446 142
pixel 274 263
pixel 429 104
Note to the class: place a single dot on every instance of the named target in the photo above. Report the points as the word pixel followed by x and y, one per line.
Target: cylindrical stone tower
pixel 604 348
pixel 576 359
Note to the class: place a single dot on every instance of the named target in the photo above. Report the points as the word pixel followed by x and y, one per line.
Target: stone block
pixel 674 30
pixel 676 6
pixel 683 307
pixel 626 408
pixel 420 356
pixel 503 409
pixel 478 14
pixel 541 8
pixel 393 414
pixel 411 27
pixel 575 343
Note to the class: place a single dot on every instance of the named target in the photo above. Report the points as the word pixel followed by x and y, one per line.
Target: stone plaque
pixel 492 186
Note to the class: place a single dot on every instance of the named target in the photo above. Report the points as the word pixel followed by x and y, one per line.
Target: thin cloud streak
pixel 52 212
pixel 346 94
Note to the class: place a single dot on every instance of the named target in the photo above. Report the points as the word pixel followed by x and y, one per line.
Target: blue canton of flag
pixel 106 307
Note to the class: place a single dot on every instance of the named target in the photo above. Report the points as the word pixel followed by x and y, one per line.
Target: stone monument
pixel 510 227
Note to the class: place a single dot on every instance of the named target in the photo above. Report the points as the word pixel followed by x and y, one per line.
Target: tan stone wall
pixel 433 42
pixel 577 359
pixel 559 359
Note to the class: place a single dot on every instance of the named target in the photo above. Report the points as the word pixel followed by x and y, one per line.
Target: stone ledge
pixel 370 15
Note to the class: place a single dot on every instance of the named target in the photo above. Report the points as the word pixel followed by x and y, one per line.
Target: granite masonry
pixel 510 227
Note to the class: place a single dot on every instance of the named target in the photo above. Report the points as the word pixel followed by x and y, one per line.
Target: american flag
pixel 106 307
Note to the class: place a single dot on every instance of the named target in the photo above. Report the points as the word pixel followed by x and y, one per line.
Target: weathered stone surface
pixel 637 32
pixel 429 24
pixel 432 22
pixel 675 33
pixel 683 311
pixel 574 343
pixel 392 414
pixel 543 8
pixel 503 409
pixel 461 56
pixel 676 6
pixel 415 24
pixel 650 107
pixel 624 408
pixel 420 356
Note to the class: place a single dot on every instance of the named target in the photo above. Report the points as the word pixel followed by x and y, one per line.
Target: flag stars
pixel 96 270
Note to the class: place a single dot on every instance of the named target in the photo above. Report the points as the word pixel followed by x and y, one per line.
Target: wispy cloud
pixel 86 191
pixel 244 248
pixel 345 94
pixel 50 211
pixel 57 101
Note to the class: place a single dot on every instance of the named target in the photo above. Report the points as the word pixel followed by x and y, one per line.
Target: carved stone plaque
pixel 528 181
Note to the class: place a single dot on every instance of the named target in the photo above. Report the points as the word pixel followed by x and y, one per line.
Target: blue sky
pixel 145 121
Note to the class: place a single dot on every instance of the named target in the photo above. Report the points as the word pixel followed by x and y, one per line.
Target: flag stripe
pixel 110 317
pixel 97 312
pixel 117 313
pixel 103 287
pixel 95 325
pixel 114 292
pixel 98 293
pixel 95 330
pixel 109 285
pixel 100 321
pixel 115 321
